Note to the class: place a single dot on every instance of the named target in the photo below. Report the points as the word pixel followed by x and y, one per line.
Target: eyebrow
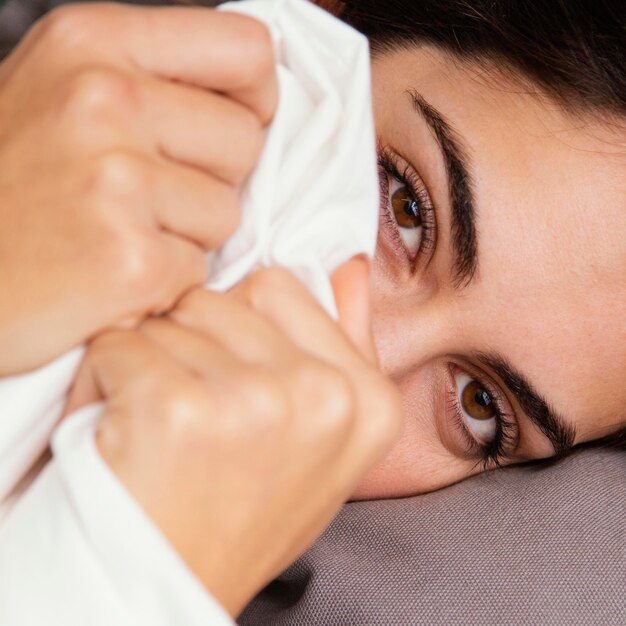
pixel 463 230
pixel 560 434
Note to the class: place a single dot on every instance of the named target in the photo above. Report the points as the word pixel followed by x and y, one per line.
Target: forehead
pixel 550 193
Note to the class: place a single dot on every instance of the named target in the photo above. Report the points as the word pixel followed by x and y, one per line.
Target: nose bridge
pixel 407 337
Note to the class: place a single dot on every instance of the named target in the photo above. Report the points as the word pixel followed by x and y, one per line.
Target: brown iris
pixel 477 402
pixel 406 209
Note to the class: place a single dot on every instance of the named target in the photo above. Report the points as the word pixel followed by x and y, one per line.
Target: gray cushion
pixel 517 546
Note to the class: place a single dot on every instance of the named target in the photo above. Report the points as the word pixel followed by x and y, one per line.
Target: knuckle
pixel 79 27
pixel 138 265
pixel 128 255
pixel 263 399
pixel 331 397
pixel 97 91
pixel 65 26
pixel 118 174
pixel 182 406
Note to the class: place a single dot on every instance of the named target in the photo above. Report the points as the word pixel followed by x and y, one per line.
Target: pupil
pixel 411 208
pixel 482 398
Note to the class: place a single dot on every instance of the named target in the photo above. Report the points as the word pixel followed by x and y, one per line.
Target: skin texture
pixel 548 293
pixel 191 391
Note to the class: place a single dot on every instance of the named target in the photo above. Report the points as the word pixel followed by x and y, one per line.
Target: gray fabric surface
pixel 520 546
pixel 15 18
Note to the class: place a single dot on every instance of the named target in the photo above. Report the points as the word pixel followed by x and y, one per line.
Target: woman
pixel 502 132
pixel 497 290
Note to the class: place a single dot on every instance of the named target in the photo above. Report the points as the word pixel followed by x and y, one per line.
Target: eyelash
pixel 494 453
pixel 390 165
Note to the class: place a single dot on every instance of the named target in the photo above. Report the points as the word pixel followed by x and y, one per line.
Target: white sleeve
pixel 76 549
pixel 30 406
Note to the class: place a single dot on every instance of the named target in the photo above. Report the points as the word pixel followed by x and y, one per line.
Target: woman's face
pixel 499 280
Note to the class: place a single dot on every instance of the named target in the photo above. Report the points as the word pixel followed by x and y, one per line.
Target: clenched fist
pixel 124 133
pixel 242 422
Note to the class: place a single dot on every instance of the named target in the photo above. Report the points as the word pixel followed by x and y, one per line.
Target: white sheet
pixel 74 548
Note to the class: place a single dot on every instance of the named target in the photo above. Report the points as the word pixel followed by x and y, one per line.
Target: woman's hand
pixel 241 423
pixel 124 132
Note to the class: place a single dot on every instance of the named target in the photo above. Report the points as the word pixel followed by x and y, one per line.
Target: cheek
pixel 410 469
pixel 419 462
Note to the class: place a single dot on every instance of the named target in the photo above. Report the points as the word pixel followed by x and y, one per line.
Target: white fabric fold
pixel 74 547
pixel 313 200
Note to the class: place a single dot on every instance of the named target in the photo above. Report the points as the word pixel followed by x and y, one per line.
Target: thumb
pixel 351 286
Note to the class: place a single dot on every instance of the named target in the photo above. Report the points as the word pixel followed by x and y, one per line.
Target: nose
pixel 408 335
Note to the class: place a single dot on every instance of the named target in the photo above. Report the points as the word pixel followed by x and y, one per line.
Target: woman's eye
pixel 407 214
pixel 478 408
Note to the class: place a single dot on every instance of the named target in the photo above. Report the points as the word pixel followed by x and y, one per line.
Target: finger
pixel 253 341
pixel 220 51
pixel 117 360
pixel 206 130
pixel 198 353
pixel 234 325
pixel 289 305
pixel 182 267
pixel 137 379
pixel 351 286
pixel 153 272
pixel 193 205
pixel 230 376
pixel 290 316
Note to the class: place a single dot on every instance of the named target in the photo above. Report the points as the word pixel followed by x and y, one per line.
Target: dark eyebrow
pixel 560 434
pixel 464 236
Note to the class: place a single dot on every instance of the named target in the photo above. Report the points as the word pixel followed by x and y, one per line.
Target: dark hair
pixel 575 50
